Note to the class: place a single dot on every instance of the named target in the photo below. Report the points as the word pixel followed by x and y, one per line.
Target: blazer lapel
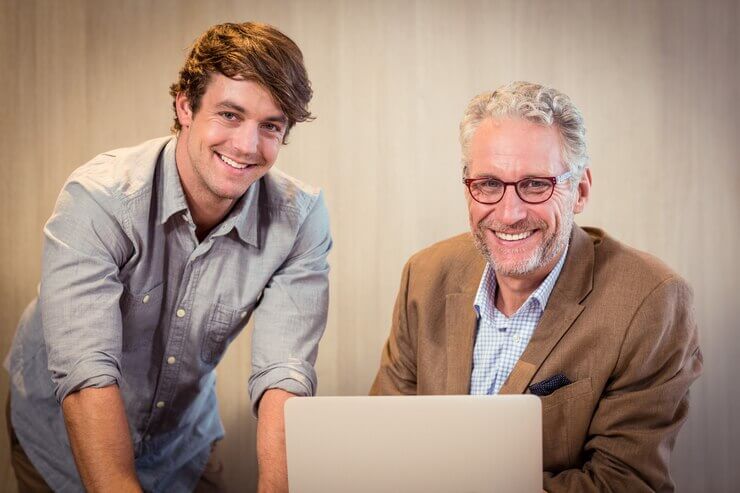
pixel 461 323
pixel 562 310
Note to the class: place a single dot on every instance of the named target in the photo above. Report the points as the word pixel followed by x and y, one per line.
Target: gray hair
pixel 537 104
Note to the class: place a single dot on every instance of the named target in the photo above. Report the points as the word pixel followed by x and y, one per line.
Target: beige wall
pixel 658 82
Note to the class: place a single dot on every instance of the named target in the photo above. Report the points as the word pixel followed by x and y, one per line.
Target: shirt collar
pixel 170 188
pixel 243 216
pixel 487 288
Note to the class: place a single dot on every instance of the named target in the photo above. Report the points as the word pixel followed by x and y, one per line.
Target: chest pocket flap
pixel 224 324
pixel 140 316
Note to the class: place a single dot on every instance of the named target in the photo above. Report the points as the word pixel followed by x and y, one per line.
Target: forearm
pixel 100 439
pixel 273 469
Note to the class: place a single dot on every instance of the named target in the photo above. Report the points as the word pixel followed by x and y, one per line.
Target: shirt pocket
pixel 140 316
pixel 224 324
pixel 563 413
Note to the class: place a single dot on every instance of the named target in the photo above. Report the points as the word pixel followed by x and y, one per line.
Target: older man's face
pixel 522 240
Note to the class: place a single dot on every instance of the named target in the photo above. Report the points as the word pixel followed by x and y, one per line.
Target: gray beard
pixel 543 255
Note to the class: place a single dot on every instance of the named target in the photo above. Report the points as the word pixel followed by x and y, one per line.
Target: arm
pixel 397 373
pixel 289 322
pixel 80 291
pixel 645 403
pixel 100 440
pixel 273 468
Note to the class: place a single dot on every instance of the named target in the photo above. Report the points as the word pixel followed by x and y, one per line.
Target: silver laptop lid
pixel 414 444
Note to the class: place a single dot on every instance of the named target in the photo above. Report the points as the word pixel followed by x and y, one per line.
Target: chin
pixel 515 269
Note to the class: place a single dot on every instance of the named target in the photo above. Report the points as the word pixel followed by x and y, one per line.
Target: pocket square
pixel 549 385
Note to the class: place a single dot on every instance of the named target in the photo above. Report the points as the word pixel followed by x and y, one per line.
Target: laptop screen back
pixel 414 444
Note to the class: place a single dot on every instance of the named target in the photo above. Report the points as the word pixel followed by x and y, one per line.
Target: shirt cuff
pixel 297 377
pixel 85 376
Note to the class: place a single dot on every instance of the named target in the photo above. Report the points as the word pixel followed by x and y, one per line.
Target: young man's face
pixel 522 240
pixel 230 142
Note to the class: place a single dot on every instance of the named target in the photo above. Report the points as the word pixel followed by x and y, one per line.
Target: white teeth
pixel 515 237
pixel 232 163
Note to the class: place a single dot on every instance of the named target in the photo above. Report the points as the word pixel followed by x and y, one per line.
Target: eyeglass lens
pixel 533 190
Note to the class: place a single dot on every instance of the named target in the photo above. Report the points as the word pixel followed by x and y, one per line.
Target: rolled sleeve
pixel 80 291
pixel 297 377
pixel 291 317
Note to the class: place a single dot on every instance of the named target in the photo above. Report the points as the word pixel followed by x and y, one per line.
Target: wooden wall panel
pixel 658 81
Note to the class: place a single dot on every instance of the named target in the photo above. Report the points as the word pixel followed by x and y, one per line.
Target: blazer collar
pixel 563 307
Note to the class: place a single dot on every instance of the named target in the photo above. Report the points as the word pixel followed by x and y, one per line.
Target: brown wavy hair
pixel 248 51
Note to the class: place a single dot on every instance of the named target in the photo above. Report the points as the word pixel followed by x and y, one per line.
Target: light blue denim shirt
pixel 129 296
pixel 501 340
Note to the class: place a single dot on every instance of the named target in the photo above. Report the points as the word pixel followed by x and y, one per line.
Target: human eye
pixel 272 127
pixel 229 116
pixel 534 186
pixel 488 185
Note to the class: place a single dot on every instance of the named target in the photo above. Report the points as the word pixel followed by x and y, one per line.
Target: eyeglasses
pixel 532 190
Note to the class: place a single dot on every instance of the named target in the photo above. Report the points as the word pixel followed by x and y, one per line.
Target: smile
pixel 232 163
pixel 513 237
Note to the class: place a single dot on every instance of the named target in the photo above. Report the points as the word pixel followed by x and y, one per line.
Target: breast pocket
pixel 140 316
pixel 564 412
pixel 224 324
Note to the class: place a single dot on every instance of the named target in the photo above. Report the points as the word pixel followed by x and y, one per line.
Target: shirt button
pixel 242 314
pixel 145 300
pixel 180 313
pixel 160 404
pixel 171 360
pixel 517 339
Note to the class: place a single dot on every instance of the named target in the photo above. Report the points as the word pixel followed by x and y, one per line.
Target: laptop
pixel 411 444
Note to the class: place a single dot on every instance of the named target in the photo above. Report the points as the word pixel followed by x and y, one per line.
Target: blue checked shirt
pixel 500 341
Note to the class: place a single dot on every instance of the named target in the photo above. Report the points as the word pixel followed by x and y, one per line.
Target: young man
pixel 604 334
pixel 154 259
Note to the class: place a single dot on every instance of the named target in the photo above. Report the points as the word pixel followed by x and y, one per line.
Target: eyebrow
pixel 490 175
pixel 281 118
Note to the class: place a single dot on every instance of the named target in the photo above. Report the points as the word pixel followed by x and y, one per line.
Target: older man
pixel 154 259
pixel 532 303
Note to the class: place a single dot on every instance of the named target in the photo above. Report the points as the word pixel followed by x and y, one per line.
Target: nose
pixel 510 209
pixel 246 139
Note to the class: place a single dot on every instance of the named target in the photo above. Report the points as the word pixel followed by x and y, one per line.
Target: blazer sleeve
pixel 397 373
pixel 646 401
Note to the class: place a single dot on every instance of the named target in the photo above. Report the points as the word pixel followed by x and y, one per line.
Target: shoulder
pixel 122 173
pixel 624 267
pixel 628 282
pixel 283 192
pixel 452 262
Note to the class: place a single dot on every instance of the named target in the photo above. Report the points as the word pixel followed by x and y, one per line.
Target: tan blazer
pixel 619 324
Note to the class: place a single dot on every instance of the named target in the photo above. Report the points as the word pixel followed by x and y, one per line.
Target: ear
pixel 184 111
pixel 584 191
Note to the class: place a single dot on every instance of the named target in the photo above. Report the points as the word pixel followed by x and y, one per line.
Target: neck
pixel 206 209
pixel 513 291
pixel 206 216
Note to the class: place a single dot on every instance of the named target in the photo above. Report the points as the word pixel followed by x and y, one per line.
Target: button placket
pixel 169 373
